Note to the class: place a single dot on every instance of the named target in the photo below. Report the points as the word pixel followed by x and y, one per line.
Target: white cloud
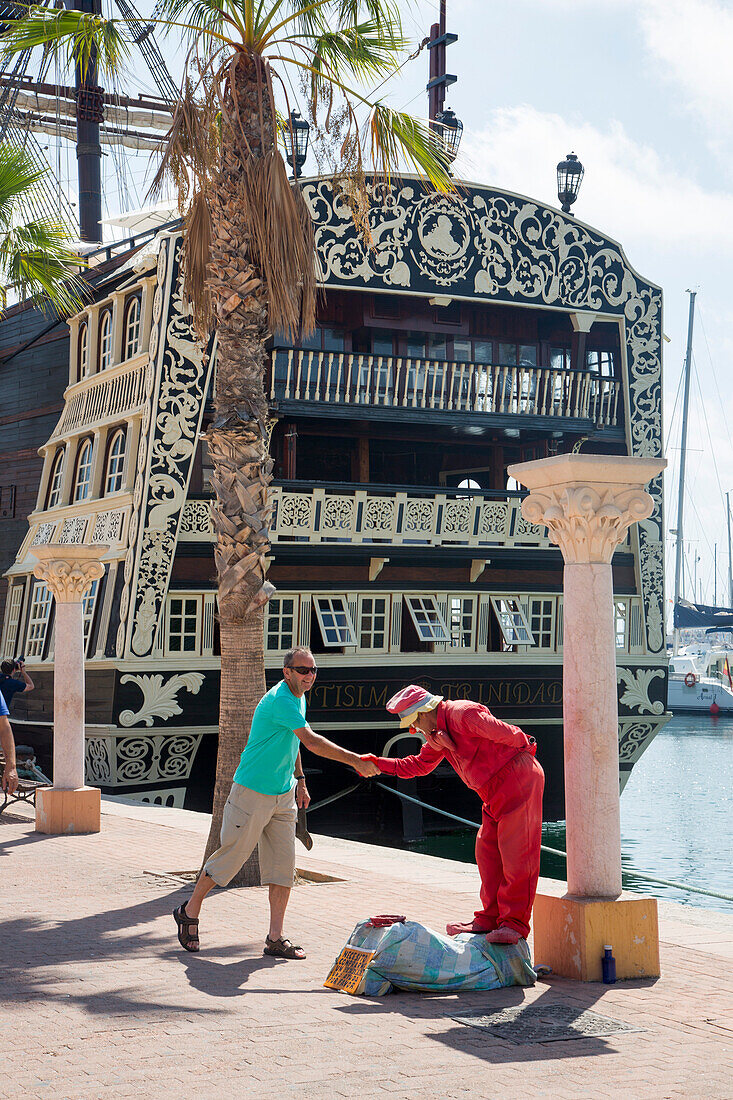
pixel 693 41
pixel 629 191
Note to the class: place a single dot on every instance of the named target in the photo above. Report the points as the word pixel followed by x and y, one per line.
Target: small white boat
pixel 699 682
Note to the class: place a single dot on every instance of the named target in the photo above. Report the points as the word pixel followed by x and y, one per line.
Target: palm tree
pixel 248 243
pixel 36 261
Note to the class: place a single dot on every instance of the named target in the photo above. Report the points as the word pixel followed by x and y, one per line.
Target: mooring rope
pixel 543 847
pixel 558 852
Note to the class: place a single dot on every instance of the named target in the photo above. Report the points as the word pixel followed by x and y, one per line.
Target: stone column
pixel 68 806
pixel 588 503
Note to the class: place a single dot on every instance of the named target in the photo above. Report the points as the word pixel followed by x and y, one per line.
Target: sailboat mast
pixel 678 578
pixel 730 563
pixel 89 115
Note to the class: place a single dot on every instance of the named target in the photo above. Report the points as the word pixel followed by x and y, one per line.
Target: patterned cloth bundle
pixel 407 955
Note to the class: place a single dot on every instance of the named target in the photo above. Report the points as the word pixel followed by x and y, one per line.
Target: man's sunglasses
pixel 303 670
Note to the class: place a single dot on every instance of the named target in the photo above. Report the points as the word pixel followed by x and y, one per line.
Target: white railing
pixel 399 518
pixel 103 397
pixel 401 383
pixel 383 517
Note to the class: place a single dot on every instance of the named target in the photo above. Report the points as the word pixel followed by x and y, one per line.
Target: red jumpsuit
pixel 498 762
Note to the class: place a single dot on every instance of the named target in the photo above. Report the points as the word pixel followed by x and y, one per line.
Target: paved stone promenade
pixel 98 1000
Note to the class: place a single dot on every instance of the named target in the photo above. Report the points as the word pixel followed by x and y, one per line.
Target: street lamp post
pixel 570 174
pixel 295 132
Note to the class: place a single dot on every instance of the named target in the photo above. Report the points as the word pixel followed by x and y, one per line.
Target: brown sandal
pixel 188 929
pixel 283 949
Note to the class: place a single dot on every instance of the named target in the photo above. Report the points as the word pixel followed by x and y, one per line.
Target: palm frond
pixel 18 177
pixel 71 37
pixel 364 52
pixel 395 134
pixel 36 263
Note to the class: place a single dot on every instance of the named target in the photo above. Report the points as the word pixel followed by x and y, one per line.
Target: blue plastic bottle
pixel 608 965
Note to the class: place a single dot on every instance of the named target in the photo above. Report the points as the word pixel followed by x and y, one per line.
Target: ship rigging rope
pixel 543 847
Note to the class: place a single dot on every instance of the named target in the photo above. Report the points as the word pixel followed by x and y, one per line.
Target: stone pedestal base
pixel 570 933
pixel 75 811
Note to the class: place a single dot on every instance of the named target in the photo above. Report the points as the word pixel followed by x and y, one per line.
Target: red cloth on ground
pixel 497 761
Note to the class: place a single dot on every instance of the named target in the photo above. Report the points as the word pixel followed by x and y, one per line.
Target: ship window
pixel 333 339
pixel 518 355
pixel 105 340
pixel 382 343
pixel 542 622
pixel 83 352
pixel 601 362
pixel 115 463
pixel 83 471
pixel 483 351
pixel 560 358
pixel 87 610
pixel 415 345
pixel 373 622
pixel 437 347
pixel 38 620
pixel 462 616
pixel 132 328
pixel 334 620
pixel 512 620
pixel 184 619
pixel 280 631
pixel 54 482
pixel 15 603
pixel 620 618
pixel 429 623
pixel 462 352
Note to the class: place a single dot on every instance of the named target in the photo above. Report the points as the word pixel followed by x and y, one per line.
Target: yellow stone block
pixel 570 934
pixel 75 811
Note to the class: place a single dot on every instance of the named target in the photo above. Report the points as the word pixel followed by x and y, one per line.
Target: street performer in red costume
pixel 498 762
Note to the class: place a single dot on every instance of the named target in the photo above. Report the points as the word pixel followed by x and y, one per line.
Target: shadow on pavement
pixel 488 1047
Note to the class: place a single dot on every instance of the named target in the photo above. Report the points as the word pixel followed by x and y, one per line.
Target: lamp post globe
pixel 295 131
pixel 570 173
pixel 449 129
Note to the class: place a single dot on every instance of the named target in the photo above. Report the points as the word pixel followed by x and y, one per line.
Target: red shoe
pixel 504 934
pixel 473 927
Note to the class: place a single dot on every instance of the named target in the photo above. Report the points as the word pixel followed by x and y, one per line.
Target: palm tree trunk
pixel 237 438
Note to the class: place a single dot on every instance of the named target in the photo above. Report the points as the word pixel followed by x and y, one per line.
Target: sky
pixel 642 91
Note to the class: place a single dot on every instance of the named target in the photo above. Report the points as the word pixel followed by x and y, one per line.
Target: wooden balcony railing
pixel 339 378
pixel 386 517
pixel 105 396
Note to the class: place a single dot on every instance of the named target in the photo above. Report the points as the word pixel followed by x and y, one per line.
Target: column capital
pixel 68 570
pixel 587 502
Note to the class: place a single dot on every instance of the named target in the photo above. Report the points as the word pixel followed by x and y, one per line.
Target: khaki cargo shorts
pixel 251 818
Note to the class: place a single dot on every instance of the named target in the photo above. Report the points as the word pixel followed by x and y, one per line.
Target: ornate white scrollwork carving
pixel 637 689
pixel 196 518
pixel 178 409
pixel 159 697
pixel 586 524
pixel 107 527
pixel 73 530
pixel 44 534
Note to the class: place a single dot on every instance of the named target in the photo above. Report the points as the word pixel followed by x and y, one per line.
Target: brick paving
pixel 98 1000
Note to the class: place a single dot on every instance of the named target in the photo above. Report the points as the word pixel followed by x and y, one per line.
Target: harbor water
pixel 676 816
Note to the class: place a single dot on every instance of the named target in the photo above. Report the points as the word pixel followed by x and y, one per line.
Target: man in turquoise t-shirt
pixel 261 808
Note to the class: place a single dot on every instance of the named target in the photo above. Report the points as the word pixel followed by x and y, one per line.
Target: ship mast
pixel 678 577
pixel 89 115
pixel 439 78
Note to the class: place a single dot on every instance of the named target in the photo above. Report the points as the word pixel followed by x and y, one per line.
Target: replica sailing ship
pixel 478 330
